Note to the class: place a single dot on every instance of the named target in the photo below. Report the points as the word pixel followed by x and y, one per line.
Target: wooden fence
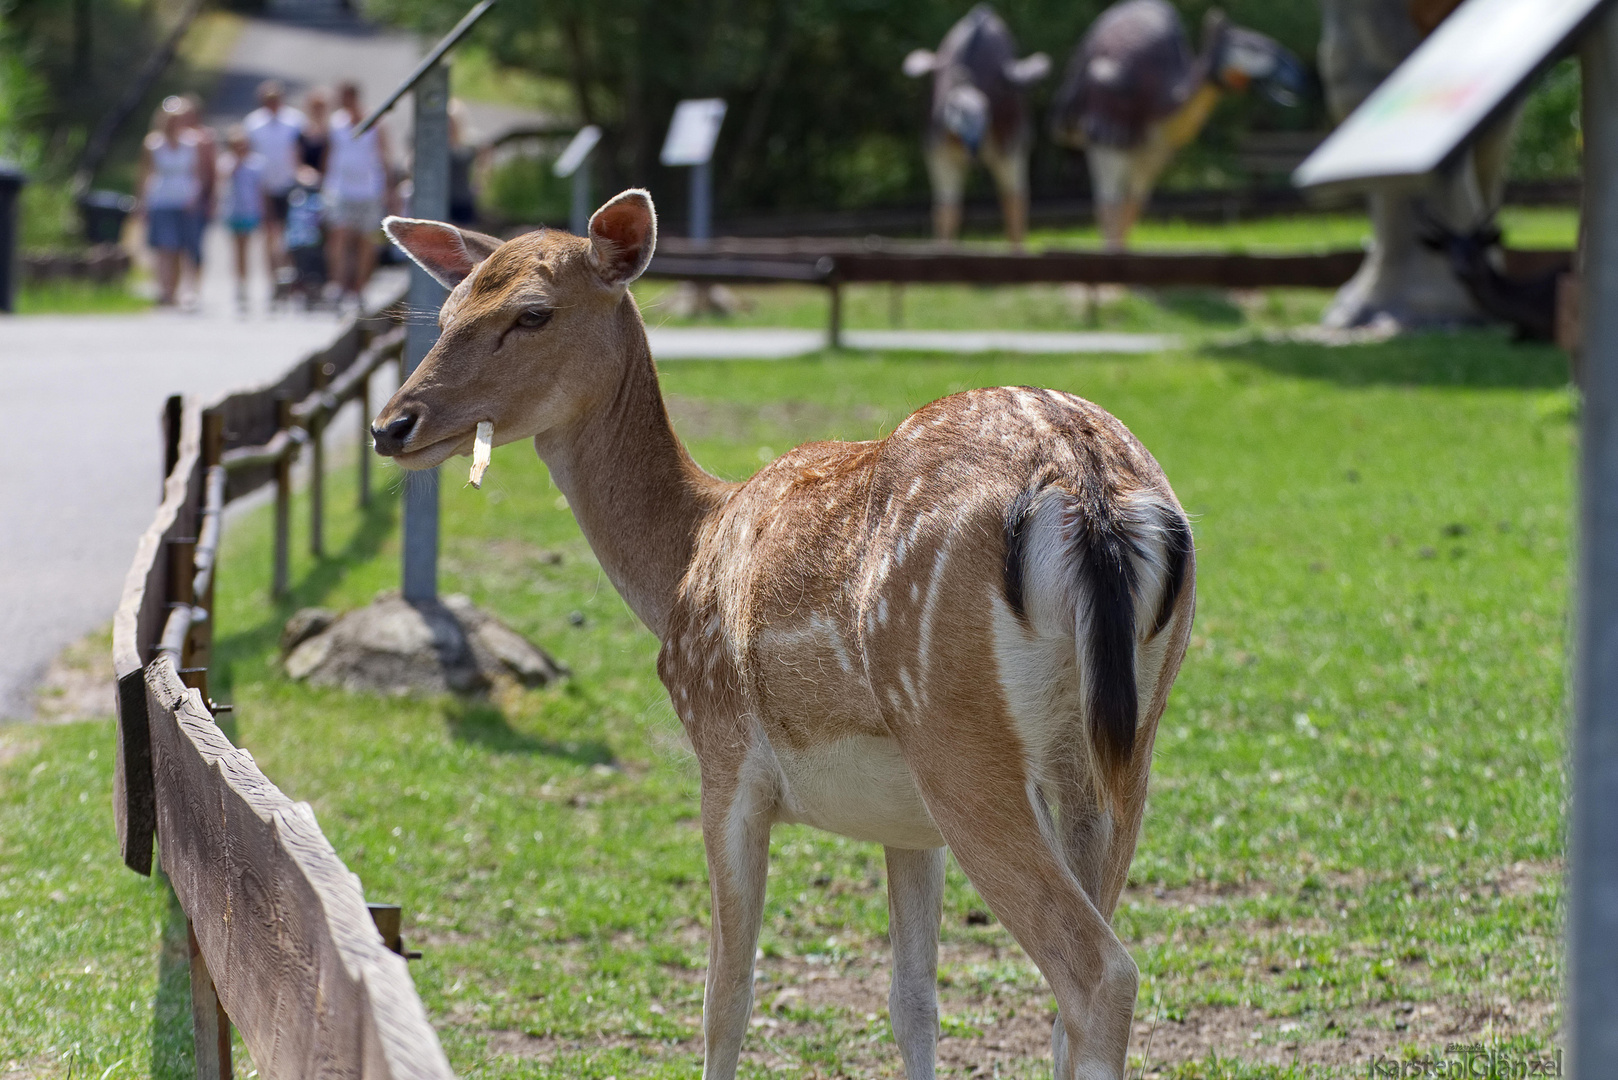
pixel 833 264
pixel 283 944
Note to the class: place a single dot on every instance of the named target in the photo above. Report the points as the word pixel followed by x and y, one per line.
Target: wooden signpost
pixel 575 163
pixel 690 142
pixel 1473 68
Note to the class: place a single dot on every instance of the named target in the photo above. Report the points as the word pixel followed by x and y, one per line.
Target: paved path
pixel 724 343
pixel 81 443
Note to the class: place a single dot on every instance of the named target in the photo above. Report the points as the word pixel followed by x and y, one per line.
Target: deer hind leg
pixel 736 812
pixel 915 907
pixel 988 809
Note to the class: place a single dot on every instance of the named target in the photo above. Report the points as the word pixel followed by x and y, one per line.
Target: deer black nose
pixel 390 439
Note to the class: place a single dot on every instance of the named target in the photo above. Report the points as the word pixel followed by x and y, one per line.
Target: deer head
pixel 535 330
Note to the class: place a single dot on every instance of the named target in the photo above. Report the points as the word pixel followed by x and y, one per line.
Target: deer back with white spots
pixel 962 634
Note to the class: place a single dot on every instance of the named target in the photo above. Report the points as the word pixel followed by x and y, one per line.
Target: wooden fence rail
pixel 284 947
pixel 833 264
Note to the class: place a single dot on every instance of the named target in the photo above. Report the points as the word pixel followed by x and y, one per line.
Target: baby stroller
pixel 306 248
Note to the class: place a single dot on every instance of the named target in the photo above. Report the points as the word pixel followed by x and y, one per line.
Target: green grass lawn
pixel 1523 226
pixel 1354 838
pixel 78 298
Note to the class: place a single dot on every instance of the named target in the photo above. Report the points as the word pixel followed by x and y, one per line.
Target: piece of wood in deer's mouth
pixel 481 449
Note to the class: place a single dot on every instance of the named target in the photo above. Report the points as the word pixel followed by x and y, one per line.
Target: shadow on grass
pixel 484 724
pixel 377 523
pixel 1474 358
pixel 1211 307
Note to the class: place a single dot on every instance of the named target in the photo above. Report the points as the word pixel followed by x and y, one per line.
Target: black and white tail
pixel 1124 560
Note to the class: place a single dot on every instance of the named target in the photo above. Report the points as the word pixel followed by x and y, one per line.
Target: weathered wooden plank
pixel 137 625
pixel 296 960
pixel 250 415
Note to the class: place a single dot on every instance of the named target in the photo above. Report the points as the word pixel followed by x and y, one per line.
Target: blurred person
pixel 463 208
pixel 190 108
pixel 356 187
pixel 306 237
pixel 272 131
pixel 316 134
pixel 241 173
pixel 170 188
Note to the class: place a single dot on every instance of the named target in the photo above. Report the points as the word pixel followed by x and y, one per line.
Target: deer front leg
pixel 915 906
pixel 736 833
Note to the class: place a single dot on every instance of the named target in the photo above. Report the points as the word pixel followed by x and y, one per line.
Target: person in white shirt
pixel 272 132
pixel 355 193
pixel 170 190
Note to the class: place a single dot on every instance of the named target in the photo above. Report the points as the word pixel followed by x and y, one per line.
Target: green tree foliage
pixel 1548 144
pixel 68 62
pixel 820 114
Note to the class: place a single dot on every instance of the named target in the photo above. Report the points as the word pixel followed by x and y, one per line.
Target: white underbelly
pixel 858 787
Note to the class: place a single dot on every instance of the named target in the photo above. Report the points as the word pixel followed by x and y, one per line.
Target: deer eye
pixel 534 318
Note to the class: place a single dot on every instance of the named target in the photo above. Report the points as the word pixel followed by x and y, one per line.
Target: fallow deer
pixel 962 634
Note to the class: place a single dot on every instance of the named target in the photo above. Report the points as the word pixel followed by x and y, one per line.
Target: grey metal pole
pixel 1592 933
pixel 701 201
pixel 579 219
pixel 429 199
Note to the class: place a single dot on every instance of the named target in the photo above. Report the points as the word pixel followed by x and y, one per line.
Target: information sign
pixel 693 131
pixel 577 150
pixel 1461 77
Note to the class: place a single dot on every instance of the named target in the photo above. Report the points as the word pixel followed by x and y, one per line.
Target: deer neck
pixel 638 497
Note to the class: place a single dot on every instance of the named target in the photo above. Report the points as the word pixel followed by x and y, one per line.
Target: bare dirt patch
pixel 997 1018
pixel 79 684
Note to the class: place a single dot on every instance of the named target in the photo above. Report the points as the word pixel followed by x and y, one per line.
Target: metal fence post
pixel 579 217
pixel 701 201
pixel 430 200
pixel 1592 931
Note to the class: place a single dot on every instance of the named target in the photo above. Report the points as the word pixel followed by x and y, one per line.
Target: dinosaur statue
pixel 1134 93
pixel 979 111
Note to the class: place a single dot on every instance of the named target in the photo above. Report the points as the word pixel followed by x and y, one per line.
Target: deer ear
pixel 623 234
pixel 447 253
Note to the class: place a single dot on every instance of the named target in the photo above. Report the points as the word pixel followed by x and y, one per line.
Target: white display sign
pixel 693 131
pixel 577 150
pixel 1444 91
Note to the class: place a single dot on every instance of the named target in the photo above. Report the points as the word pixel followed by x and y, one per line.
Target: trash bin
pixel 11 182
pixel 104 213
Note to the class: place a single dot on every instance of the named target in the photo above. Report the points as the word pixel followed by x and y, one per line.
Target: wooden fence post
pixel 320 376
pixel 172 410
pixel 283 502
pixel 208 1020
pixel 213 453
pixel 834 332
